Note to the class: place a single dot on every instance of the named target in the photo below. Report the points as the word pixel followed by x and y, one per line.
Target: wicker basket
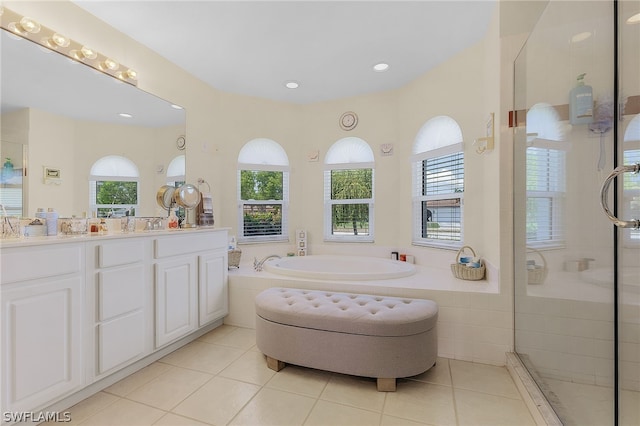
pixel 537 275
pixel 234 258
pixel 463 272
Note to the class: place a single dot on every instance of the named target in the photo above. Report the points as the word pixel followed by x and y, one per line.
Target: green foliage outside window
pixel 354 184
pixel 259 185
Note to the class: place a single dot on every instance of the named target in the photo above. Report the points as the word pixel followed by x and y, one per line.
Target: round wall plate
pixel 348 120
pixel 181 143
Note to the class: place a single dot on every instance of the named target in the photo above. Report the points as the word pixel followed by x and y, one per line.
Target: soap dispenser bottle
pixel 581 103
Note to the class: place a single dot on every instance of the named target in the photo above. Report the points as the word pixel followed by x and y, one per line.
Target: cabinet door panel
pixel 42 342
pixel 120 340
pixel 213 286
pixel 176 299
pixel 120 291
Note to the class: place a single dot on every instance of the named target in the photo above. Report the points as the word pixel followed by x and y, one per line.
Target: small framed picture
pixel 51 173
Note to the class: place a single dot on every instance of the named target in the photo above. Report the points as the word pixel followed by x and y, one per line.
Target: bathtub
pixel 331 267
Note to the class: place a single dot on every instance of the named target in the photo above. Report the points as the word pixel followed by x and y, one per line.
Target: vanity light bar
pixel 32 30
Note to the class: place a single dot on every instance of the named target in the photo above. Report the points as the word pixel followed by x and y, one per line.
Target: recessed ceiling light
pixel 635 19
pixel 381 67
pixel 292 85
pixel 125 115
pixel 174 106
pixel 580 37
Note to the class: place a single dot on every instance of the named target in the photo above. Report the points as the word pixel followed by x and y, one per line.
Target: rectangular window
pixel 114 198
pixel 545 195
pixel 262 198
pixel 440 198
pixel 350 204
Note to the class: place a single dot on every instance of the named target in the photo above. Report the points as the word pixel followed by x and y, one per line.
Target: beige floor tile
pixel 629 408
pixel 169 388
pixel 241 338
pixel 481 409
pixel 86 408
pixel 137 379
pixel 217 401
pixel 422 402
pixel 275 408
pixel 250 367
pixel 171 419
pixel 358 392
pixel 124 412
pixel 439 374
pixel 204 357
pixel 217 333
pixel 397 421
pixel 483 378
pixel 304 381
pixel 327 413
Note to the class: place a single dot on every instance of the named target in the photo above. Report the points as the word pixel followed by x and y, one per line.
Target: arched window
pixel 113 187
pixel 176 171
pixel 545 163
pixel 438 183
pixel 348 191
pixel 263 191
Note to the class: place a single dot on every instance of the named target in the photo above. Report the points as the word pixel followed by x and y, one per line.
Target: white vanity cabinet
pixel 190 283
pixel 80 313
pixel 42 314
pixel 119 288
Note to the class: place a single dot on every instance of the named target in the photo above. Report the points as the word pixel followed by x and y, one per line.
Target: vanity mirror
pixel 67 117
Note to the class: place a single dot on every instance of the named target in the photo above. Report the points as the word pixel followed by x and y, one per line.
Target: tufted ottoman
pixel 356 334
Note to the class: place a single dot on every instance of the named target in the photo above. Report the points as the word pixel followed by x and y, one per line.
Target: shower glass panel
pixel 564 245
pixel 629 208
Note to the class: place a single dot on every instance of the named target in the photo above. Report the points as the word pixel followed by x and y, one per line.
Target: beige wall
pixel 467 87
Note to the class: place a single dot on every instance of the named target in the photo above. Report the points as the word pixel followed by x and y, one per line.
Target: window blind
pixel 631 196
pixel 545 195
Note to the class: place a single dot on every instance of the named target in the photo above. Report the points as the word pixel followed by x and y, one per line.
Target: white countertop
pixel 67 239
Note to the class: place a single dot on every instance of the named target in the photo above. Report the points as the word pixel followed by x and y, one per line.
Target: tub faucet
pixel 257 265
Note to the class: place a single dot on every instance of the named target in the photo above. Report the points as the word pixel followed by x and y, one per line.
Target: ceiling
pixel 329 47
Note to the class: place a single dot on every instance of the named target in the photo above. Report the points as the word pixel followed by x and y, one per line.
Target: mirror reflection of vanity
pixel 59 117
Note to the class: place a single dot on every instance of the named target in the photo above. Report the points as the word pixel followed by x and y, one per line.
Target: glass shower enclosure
pixel 576 146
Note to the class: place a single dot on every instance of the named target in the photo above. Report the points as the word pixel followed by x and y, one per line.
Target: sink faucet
pixel 257 265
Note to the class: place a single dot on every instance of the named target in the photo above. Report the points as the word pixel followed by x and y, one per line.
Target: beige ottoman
pixel 356 334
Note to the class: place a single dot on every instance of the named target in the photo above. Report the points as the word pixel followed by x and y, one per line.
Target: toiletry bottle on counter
pixel 42 215
pixel 173 220
pixel 103 228
pixel 52 222
pixel 94 224
pixel 581 103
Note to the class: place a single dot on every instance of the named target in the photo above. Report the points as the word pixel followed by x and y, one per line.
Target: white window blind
pixel 545 195
pixel 439 199
pixel 631 196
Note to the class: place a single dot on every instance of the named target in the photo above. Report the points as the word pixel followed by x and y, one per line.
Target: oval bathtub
pixel 328 267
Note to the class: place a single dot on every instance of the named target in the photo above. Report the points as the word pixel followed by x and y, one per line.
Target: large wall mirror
pixel 59 118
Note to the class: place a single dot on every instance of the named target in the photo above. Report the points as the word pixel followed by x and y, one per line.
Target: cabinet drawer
pixel 120 340
pixel 41 262
pixel 189 243
pixel 120 290
pixel 120 253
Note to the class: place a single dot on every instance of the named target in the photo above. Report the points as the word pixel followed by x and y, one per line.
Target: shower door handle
pixel 635 223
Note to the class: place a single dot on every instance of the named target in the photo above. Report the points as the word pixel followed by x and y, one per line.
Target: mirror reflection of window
pixel 113 187
pixel 631 182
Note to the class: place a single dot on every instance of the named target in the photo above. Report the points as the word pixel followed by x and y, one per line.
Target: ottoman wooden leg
pixel 275 364
pixel 386 385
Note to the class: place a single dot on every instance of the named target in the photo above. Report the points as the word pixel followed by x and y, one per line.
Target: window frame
pixel 284 203
pixel 95 178
pixel 417 161
pixel 329 236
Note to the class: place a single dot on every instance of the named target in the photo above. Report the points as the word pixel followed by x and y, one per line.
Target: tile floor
pixel 222 379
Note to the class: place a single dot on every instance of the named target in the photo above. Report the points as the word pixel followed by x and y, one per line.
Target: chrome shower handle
pixel 635 223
